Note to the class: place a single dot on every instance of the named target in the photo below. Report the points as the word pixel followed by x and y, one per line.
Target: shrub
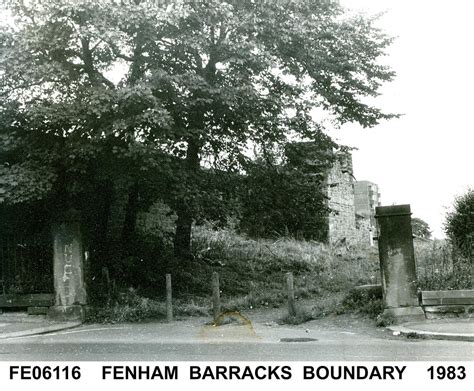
pixel 459 225
pixel 364 301
pixel 303 315
pixel 384 320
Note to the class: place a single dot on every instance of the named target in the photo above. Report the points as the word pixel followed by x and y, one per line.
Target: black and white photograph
pixel 237 181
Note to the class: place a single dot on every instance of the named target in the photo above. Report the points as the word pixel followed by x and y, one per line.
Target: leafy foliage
pixel 123 83
pixel 420 228
pixel 459 225
pixel 287 198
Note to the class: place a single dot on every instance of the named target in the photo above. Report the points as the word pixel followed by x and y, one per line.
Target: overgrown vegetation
pixel 440 266
pixel 257 267
pixel 364 301
pixel 131 307
pixel 252 273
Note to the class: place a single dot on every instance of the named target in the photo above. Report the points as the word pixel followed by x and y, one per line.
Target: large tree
pixel 420 228
pixel 197 80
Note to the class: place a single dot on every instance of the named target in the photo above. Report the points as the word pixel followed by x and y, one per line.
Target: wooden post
pixel 291 294
pixel 216 296
pixel 169 300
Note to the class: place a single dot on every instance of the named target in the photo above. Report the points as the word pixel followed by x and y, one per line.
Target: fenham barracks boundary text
pixel 236 372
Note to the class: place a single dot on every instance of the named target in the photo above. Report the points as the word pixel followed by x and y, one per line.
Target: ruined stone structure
pixel 340 192
pixel 353 203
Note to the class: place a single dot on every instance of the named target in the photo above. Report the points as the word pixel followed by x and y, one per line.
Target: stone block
pixel 397 256
pixel 66 313
pixel 37 310
pixel 68 263
pixel 405 314
pixel 443 309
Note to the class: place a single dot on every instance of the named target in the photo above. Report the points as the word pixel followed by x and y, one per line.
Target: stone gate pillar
pixel 70 294
pixel 397 263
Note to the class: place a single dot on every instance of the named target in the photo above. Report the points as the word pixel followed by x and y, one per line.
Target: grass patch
pixel 252 272
pixel 131 307
pixel 328 305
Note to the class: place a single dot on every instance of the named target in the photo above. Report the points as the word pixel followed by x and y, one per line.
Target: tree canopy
pixel 132 81
pixel 420 228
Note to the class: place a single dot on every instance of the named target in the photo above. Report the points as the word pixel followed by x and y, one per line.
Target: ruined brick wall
pixel 352 203
pixel 340 191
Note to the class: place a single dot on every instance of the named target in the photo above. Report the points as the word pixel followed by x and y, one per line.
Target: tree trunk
pixel 182 238
pixel 103 220
pixel 128 229
pixel 185 209
pixel 185 212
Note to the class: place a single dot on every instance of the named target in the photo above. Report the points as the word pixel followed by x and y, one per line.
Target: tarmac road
pixel 192 340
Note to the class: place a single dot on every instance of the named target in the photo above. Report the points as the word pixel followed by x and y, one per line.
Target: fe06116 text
pixel 28 372
pixel 449 373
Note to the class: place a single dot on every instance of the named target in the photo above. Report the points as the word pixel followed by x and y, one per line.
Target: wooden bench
pixel 36 303
pixel 459 297
pixel 440 304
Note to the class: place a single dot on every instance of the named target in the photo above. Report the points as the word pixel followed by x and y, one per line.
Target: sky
pixel 425 158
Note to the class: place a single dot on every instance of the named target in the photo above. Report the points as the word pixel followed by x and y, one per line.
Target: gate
pixel 26 265
pixel 26 262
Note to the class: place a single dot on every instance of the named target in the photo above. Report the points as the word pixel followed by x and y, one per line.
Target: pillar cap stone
pixel 393 210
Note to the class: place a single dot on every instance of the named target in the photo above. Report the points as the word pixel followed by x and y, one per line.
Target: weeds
pixel 441 267
pixel 364 301
pixel 384 320
pixel 252 275
pixel 254 269
pixel 131 307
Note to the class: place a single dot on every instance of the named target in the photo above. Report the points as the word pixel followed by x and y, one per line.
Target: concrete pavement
pixel 14 325
pixel 458 329
pixel 344 337
pixel 257 326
